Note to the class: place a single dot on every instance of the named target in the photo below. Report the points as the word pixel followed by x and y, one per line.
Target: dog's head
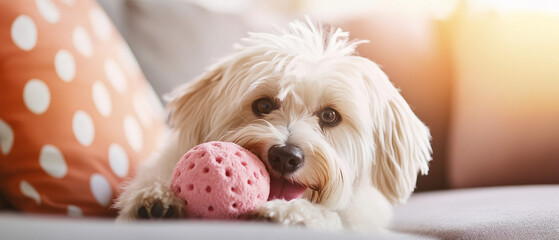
pixel 322 120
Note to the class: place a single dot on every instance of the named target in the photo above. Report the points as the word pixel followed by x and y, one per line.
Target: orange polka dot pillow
pixel 76 113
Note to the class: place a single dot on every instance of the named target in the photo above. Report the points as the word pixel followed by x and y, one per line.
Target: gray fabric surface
pixel 520 212
pixel 18 226
pixel 174 41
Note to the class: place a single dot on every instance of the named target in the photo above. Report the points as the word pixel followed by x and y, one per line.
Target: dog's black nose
pixel 285 159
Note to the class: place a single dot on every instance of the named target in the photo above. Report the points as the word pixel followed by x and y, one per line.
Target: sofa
pixel 481 75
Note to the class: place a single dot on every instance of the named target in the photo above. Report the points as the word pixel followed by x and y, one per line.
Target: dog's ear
pixel 402 142
pixel 190 105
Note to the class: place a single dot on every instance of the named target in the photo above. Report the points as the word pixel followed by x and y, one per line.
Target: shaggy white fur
pixel 354 171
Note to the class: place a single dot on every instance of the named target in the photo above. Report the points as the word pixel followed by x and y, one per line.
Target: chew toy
pixel 220 180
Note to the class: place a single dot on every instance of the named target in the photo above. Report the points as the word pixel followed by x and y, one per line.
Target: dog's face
pixel 322 120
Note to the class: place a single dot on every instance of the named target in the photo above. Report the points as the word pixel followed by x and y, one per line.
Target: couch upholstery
pixel 519 212
pixel 482 79
pixel 172 48
pixel 17 226
pixel 506 105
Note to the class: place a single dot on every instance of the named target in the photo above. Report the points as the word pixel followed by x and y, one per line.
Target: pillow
pixel 505 127
pixel 189 37
pixel 77 114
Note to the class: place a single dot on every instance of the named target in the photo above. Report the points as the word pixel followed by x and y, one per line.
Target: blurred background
pixel 482 74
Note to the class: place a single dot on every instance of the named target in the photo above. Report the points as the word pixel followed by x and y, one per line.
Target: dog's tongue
pixel 283 189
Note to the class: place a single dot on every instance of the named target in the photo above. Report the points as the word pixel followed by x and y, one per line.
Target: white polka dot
pixel 83 128
pixel 101 24
pixel 29 191
pixel 133 133
pixel 6 137
pixel 48 10
pixel 36 96
pixel 141 108
pixel 24 33
pixel 118 160
pixel 82 42
pixel 101 189
pixel 128 58
pixel 68 2
pixel 101 98
pixel 74 211
pixel 115 75
pixel 52 161
pixel 155 103
pixel 65 65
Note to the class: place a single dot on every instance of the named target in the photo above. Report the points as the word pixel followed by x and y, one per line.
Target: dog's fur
pixel 354 172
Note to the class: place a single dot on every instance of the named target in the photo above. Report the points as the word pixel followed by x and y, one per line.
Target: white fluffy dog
pixel 327 124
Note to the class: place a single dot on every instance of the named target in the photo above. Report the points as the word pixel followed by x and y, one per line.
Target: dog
pixel 327 124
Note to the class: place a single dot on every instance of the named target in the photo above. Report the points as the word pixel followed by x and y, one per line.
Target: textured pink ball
pixel 220 180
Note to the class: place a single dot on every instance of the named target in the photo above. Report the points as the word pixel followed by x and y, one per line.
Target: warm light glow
pixel 550 6
pixel 514 55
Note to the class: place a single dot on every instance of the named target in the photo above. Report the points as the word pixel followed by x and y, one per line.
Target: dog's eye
pixel 329 117
pixel 262 106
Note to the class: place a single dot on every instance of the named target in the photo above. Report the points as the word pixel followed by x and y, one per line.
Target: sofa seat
pixel 29 226
pixel 519 212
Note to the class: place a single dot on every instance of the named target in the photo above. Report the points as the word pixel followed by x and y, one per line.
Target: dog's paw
pixel 156 201
pixel 156 209
pixel 276 211
pixel 298 212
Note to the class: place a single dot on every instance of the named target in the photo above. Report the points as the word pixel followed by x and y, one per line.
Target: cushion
pixel 175 41
pixel 77 115
pixel 521 212
pixel 505 127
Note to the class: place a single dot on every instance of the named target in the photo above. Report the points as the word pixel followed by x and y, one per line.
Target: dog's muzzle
pixel 285 159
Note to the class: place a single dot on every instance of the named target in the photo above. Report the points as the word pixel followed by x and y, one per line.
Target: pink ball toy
pixel 220 180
